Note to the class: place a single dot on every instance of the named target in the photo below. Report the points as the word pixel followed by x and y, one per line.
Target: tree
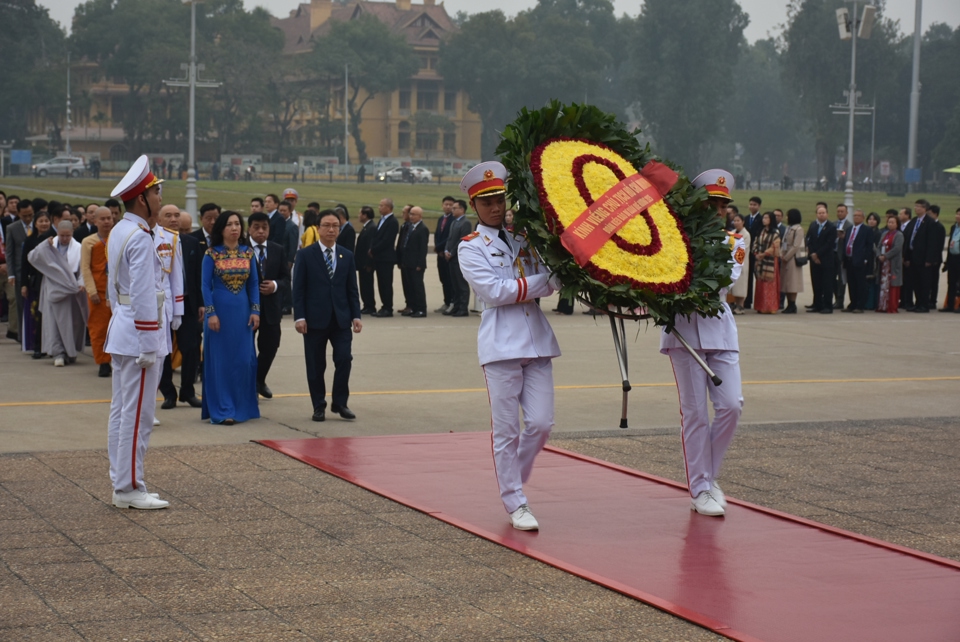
pixel 560 49
pixel 760 112
pixel 33 73
pixel 816 65
pixel 939 100
pixel 379 60
pixel 680 64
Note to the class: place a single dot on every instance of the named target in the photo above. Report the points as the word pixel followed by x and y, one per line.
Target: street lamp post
pixel 914 94
pixel 192 82
pixel 849 28
pixel 69 124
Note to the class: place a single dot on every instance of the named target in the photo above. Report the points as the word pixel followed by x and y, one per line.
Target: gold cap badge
pixel 487 175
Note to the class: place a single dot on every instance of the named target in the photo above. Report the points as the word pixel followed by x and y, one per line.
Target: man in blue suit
pixel 858 260
pixel 326 306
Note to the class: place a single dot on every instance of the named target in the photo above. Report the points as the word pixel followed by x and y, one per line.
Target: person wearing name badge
pixel 516 344
pixel 231 295
pixel 134 341
pixel 715 340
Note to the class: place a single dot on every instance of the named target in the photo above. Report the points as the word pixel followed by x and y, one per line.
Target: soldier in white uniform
pixel 715 339
pixel 134 340
pixel 170 254
pixel 516 344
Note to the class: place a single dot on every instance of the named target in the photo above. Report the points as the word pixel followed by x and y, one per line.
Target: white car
pixel 405 175
pixel 60 166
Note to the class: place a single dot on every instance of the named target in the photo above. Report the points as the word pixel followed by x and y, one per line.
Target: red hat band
pixel 148 181
pixel 492 185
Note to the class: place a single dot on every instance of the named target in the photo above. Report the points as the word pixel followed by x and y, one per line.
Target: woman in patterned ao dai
pixel 231 295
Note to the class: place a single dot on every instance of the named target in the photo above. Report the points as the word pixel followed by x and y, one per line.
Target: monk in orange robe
pixel 93 265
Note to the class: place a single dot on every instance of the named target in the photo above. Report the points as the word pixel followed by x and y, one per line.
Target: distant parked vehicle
pixel 60 166
pixel 405 175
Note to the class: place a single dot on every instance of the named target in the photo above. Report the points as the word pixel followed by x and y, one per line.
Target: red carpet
pixel 754 575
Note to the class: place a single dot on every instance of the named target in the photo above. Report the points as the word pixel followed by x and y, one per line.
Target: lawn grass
pixel 236 195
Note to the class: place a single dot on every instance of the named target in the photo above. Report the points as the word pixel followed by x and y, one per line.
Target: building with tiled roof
pixel 389 120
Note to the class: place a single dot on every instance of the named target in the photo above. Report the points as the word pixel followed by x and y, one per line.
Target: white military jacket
pixel 712 333
pixel 134 281
pixel 507 278
pixel 170 253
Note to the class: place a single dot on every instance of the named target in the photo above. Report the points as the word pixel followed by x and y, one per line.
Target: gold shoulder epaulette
pixel 470 236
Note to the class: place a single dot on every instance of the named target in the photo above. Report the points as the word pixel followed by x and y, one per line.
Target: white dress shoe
pixel 156 422
pixel 706 504
pixel 138 499
pixel 523 520
pixel 58 362
pixel 718 495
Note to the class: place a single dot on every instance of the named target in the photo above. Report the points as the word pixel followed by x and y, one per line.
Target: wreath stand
pixel 617 318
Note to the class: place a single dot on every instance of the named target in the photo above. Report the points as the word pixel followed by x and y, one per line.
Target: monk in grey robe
pixel 63 299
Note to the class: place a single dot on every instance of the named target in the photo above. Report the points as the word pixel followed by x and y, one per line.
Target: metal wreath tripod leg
pixel 620 345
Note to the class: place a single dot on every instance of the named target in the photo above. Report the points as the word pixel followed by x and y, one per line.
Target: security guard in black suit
pixel 274 273
pixel 365 266
pixel 384 254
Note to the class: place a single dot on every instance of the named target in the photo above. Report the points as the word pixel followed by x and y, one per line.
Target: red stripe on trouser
pixel 493 452
pixel 136 430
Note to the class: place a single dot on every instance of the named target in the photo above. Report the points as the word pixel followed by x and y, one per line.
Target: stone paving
pixel 257 546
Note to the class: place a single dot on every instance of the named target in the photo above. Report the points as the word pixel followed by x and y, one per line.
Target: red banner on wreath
pixel 608 214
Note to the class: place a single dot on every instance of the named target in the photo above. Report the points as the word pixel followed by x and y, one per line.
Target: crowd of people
pixel 857 263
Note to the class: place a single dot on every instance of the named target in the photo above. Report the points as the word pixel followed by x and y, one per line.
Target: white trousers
pixel 511 385
pixel 704 442
pixel 132 410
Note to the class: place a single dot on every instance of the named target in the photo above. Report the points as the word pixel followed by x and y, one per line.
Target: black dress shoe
pixel 846 309
pixel 343 411
pixel 168 403
pixel 37 355
pixel 923 310
pixel 406 313
pixel 319 415
pixel 448 313
pixel 460 313
pixel 193 401
pixel 105 370
pixel 13 336
pixel 264 391
pixel 812 309
pixel 368 311
pixel 384 313
pixel 418 315
pixel 946 310
pixel 826 311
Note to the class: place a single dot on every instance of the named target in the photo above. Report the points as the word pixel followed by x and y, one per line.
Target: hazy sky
pixel 765 15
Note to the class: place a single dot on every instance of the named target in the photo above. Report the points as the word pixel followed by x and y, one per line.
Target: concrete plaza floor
pixel 850 420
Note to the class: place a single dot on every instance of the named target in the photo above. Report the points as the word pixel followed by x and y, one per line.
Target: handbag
pixel 800 258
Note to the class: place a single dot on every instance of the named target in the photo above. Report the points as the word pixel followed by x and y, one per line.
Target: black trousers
pixel 268 342
pixel 461 299
pixel 443 270
pixel 840 287
pixel 933 278
pixel 906 289
pixel 822 278
pixel 857 282
pixel 920 278
pixel 417 299
pixel 405 285
pixel 953 280
pixel 188 342
pixel 365 276
pixel 385 284
pixel 315 353
pixel 748 301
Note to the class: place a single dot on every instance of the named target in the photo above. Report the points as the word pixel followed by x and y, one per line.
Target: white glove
pixel 554 282
pixel 177 320
pixel 146 359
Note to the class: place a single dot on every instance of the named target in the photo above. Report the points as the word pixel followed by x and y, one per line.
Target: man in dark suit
pixel 754 225
pixel 952 267
pixel 415 263
pixel 274 275
pixel 348 236
pixel 459 227
pixel 939 237
pixel 17 233
pixel 86 228
pixel 840 277
pixel 326 307
pixel 278 226
pixel 384 254
pixel 401 242
pixel 821 241
pixel 209 213
pixel 368 230
pixel 188 334
pixel 440 236
pixel 919 254
pixel 858 260
pixel 290 243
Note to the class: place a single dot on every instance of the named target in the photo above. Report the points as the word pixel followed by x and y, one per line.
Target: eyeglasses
pixel 331 226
